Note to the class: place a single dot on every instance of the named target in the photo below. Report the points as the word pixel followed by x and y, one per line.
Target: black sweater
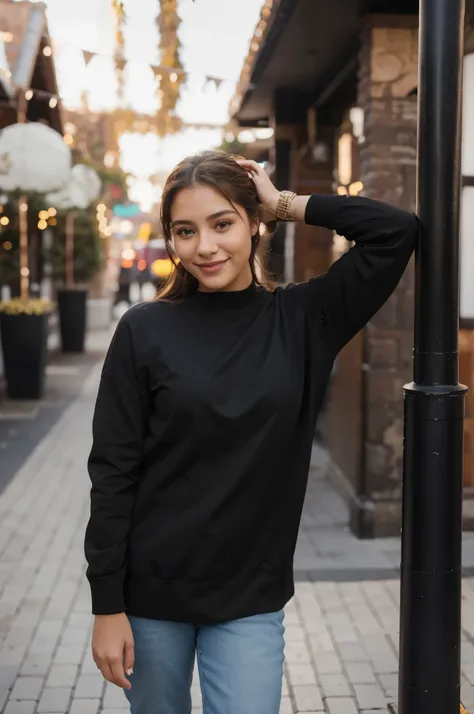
pixel 204 423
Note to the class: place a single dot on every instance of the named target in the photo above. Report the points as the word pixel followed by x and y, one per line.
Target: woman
pixel 202 438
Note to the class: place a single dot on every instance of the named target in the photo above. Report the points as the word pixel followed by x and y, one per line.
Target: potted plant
pixel 77 255
pixel 33 160
pixel 24 331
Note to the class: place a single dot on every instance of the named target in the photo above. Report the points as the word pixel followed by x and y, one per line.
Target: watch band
pixel 284 204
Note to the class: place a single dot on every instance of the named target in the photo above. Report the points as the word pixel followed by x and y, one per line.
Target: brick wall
pixel 388 72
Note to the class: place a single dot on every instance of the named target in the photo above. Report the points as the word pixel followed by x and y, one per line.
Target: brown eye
pixel 222 225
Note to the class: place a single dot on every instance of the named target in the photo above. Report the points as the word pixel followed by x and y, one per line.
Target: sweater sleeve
pixel 119 428
pixel 360 282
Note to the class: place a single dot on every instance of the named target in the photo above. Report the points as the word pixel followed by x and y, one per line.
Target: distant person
pixel 203 430
pixel 124 282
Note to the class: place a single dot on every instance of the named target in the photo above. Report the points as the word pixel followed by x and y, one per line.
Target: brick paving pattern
pixel 341 629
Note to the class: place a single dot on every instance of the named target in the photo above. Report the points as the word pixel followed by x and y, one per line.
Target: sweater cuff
pixel 107 596
pixel 323 209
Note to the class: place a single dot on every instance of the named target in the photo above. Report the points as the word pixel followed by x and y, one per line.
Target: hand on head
pixel 267 193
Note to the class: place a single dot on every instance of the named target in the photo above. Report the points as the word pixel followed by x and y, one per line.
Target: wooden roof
pixel 25 35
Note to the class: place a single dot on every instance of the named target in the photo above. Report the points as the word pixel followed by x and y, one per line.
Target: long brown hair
pixel 223 173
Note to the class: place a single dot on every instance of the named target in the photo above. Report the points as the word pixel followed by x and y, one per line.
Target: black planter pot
pixel 72 306
pixel 24 348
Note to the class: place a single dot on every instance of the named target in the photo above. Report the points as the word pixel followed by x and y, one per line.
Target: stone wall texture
pixel 388 73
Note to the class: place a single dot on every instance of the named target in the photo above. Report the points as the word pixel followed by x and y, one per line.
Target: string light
pixel 129 254
pixel 52 212
pixel 47 51
pixel 7 245
pixel 28 95
pixel 43 215
pixel 42 224
pixel 4 221
pixel 23 206
pixel 68 138
pixel 355 188
pixel 24 272
pixel 53 102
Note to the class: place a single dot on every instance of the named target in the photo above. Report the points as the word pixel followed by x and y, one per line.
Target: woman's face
pixel 212 239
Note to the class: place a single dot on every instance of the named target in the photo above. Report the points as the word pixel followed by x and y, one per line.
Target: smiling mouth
pixel 212 267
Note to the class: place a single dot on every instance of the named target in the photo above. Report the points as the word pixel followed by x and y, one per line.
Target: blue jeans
pixel 240 666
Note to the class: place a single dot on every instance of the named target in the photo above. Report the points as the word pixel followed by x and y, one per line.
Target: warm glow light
pixel 43 215
pixel 342 191
pixel 101 207
pixel 7 245
pixel 68 138
pixel 162 268
pixel 24 272
pixel 126 227
pixel 70 128
pixel 52 212
pixel 47 51
pixel 52 222
pixel 344 159
pixel 246 137
pixel 127 263
pixel 6 36
pixel 28 95
pixel 53 102
pixel 355 188
pixel 4 221
pixel 173 77
pixel 23 206
pixel 42 224
pixel 109 158
pixel 128 254
pixel 141 265
pixel 145 231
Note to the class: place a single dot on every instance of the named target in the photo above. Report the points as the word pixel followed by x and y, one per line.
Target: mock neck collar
pixel 231 298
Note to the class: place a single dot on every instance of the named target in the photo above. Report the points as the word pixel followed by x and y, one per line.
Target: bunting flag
pixel 217 81
pixel 157 69
pixel 88 56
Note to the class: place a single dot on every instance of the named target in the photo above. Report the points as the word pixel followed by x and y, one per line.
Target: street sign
pixel 126 211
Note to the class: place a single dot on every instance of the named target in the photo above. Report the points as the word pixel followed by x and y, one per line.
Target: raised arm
pixel 361 281
pixel 119 429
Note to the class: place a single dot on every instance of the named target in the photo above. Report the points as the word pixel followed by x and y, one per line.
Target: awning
pixel 305 45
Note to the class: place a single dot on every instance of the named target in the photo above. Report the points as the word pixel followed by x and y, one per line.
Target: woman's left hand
pixel 267 193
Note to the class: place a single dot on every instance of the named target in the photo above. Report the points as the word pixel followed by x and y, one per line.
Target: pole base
pixel 393 708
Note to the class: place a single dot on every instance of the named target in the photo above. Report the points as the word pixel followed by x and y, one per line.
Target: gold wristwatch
pixel 283 206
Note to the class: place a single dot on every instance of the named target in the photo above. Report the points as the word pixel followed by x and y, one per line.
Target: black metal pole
pixel 430 619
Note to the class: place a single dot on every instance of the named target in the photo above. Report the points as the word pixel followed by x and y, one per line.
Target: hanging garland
pixel 119 56
pixel 172 77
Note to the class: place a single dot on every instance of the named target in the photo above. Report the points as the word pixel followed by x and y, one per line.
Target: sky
pixel 214 41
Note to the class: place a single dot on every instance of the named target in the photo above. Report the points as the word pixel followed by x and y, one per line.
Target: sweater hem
pixel 206 602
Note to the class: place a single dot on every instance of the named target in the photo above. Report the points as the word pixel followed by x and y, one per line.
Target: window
pixel 467 197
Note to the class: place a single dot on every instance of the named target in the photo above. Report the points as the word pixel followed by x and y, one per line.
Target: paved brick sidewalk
pixel 341 628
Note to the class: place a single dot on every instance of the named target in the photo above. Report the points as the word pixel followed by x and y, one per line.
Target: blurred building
pixel 27 74
pixel 337 82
